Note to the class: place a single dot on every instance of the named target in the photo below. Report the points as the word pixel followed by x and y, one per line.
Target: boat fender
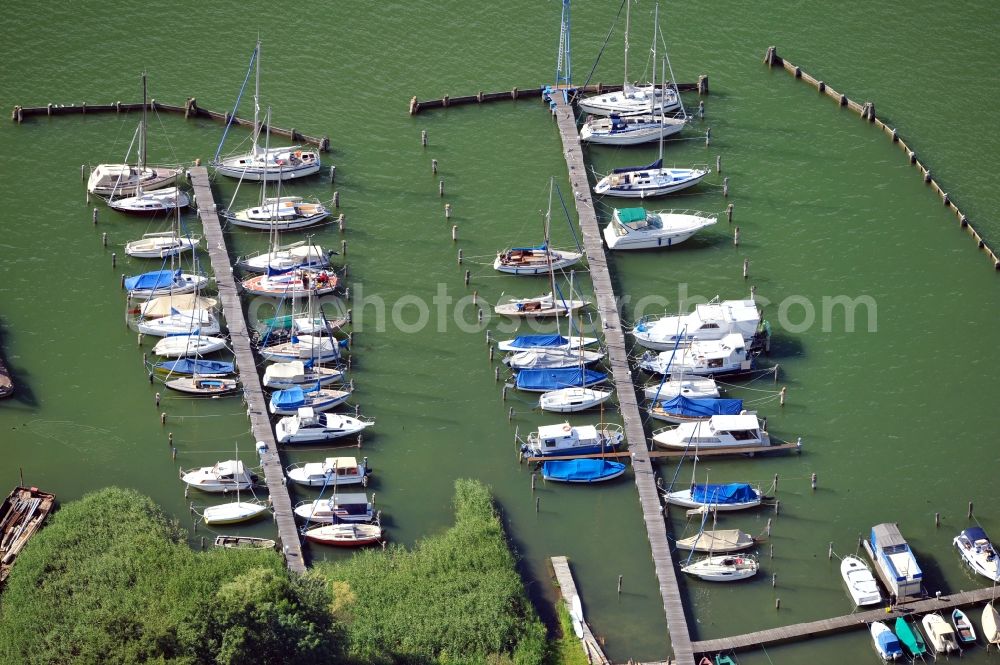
pixel 567 427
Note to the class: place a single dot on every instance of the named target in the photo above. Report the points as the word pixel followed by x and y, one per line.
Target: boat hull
pixel 725 568
pixel 233 513
pixel 571 400
pixel 540 266
pixel 345 535
pixel 648 183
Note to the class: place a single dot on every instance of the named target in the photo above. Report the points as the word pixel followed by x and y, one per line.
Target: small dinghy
pixel 333 471
pixel 182 346
pixel 963 627
pixel 723 568
pixel 298 373
pixel 346 507
pixel 345 535
pixel 717 540
pixel 911 638
pixel 310 427
pixel 204 386
pixel 524 342
pixel 551 358
pixel 566 440
pixel 245 543
pixel 940 633
pixel 722 497
pixel 860 582
pixel 581 470
pixel 227 476
pixel 288 402
pixel 539 307
pixel 886 643
pixel 571 400
pixel 233 513
pixel 151 203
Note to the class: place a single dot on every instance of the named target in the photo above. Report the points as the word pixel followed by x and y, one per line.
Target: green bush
pixel 455 598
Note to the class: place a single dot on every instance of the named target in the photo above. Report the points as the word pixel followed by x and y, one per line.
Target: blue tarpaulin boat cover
pixel 157 279
pixel 535 341
pixel 581 470
pixel 191 366
pixel 727 493
pixel 702 407
pixel 289 399
pixel 628 169
pixel 554 379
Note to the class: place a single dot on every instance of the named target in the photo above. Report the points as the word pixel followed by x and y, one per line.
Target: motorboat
pixel 287 402
pixel 310 427
pixel 940 633
pixel 331 471
pixel 300 254
pixel 681 409
pixel 534 260
pixel 270 164
pixel 343 507
pixel 570 400
pixel 299 283
pixel 544 341
pixel 717 497
pixel 723 567
pixel 186 346
pixel 910 636
pixel 708 321
pixel 569 440
pixel 542 306
pixel 740 431
pixel 317 348
pixel 204 386
pixel 717 540
pixel 544 380
pixel 163 283
pixel 891 553
pixel 692 387
pixel 618 129
pixel 551 358
pixel 293 373
pixel 977 551
pixel 635 228
pixel 281 213
pixel 581 470
pixel 180 322
pixel 233 513
pixel 345 535
pixel 860 582
pixel 729 355
pixel 640 182
pixel 964 630
pixel 152 202
pixel 227 476
pixel 886 642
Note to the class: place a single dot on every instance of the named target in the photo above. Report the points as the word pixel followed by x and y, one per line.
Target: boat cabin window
pixel 744 434
pixel 550 443
pixel 709 326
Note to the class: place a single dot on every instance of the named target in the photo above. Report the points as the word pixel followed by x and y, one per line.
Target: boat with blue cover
pixel 886 643
pixel 299 373
pixel 890 552
pixel 726 496
pixel 581 470
pixel 544 380
pixel 566 440
pixel 544 341
pixel 288 402
pixel 681 409
pixel 191 366
pixel 161 283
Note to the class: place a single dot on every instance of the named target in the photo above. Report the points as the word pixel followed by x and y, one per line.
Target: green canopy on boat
pixel 626 215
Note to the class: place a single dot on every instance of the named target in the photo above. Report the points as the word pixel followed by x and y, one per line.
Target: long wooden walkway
pixel 567 587
pixel 239 335
pixel 808 630
pixel 614 339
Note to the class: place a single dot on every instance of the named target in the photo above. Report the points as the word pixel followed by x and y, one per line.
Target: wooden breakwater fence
pixel 253 392
pixel 416 106
pixel 867 112
pixel 190 110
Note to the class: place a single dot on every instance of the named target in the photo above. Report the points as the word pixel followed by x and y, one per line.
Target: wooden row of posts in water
pixel 867 112
pixel 190 110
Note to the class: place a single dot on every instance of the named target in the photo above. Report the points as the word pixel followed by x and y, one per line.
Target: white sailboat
pixel 691 387
pixel 300 254
pixel 648 98
pixel 282 375
pixel 538 260
pixel 235 512
pixel 571 400
pixel 188 346
pixel 551 358
pixel 270 164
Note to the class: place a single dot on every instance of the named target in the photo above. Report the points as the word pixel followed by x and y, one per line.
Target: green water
pixel 898 423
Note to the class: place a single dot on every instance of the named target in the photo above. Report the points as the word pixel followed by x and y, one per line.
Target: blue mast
pixel 564 70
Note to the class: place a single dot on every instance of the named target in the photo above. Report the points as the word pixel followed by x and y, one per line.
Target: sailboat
pixel 141 199
pixel 288 402
pixel 719 567
pixel 300 254
pixel 237 511
pixel 571 400
pixel 551 358
pixel 537 260
pixel 648 98
pixel 162 244
pixel 270 163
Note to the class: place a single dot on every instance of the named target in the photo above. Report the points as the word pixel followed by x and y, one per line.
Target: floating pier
pixel 614 339
pixel 253 392
pixel 856 621
pixel 416 106
pixel 190 109
pixel 867 112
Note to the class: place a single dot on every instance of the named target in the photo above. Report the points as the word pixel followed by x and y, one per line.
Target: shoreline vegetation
pixel 112 579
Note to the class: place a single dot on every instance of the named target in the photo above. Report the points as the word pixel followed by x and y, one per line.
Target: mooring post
pixel 970 511
pixel 746 268
pixel 343 248
pixel 781 395
pixel 767 528
pixel 434 166
pixel 937 519
pixel 620 584
pixel 441 187
pixel 114 262
pixel 777 603
pixel 95 216
pixel 736 241
pixel 701 109
pixel 423 138
pixel 718 163
pixel 708 137
pixel 468 276
pixel 729 213
pixel 340 222
pixel 336 199
pixel 538 501
pixel 813 480
pixel 725 186
pixel 774 580
pixel 829 551
pixel 459 257
pixel 496 374
pixel 333 174
pixel 447 211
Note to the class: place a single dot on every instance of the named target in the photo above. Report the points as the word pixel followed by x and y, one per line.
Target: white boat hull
pixel 302 256
pixel 186 283
pixel 630 130
pixel 691 387
pixel 683 498
pixel 647 183
pixel 631 100
pixel 186 346
pixel 514 263
pixel 275 164
pixel 328 427
pixel 860 582
pixel 571 400
pixel 181 323
pixel 160 246
pixel 724 568
pixel 151 203
pixel 668 229
pixel 124 179
pixel 233 513
pixel 320 401
pixel 573 343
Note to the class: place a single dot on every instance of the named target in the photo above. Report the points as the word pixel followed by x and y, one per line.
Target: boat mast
pixel 548 252
pixel 628 14
pixel 142 135
pixel 656 23
pixel 256 101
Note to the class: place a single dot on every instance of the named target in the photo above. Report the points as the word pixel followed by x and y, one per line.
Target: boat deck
pixel 253 392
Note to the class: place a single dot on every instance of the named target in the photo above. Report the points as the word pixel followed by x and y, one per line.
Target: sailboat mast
pixel 256 101
pixel 656 23
pixel 628 15
pixel 548 251
pixel 142 135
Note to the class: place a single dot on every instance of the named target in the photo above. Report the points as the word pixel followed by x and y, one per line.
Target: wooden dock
pixel 858 620
pixel 416 106
pixel 567 587
pixel 189 110
pixel 614 339
pixel 867 112
pixel 253 392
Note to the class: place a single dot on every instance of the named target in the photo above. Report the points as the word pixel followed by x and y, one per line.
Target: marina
pixel 439 412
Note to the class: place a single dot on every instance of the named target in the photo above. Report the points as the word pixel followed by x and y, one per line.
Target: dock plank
pixel 253 392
